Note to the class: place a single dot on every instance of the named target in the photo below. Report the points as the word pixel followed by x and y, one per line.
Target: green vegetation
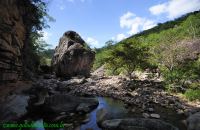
pixel 35 20
pixel 192 94
pixel 171 47
pixel 46 57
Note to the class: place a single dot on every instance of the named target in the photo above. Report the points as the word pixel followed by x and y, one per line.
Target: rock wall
pixel 12 36
pixel 71 56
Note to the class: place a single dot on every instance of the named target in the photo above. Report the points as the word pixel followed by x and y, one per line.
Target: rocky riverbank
pixel 146 97
pixel 64 98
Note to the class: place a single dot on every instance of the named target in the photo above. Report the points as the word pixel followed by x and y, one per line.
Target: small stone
pixel 71 114
pixel 150 109
pixel 68 125
pixel 157 116
pixel 145 115
pixel 62 113
pixel 180 112
pixel 133 110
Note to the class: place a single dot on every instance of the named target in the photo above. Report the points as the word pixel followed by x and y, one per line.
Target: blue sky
pixel 98 21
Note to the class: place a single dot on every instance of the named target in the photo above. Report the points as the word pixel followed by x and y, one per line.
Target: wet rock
pixel 101 115
pixel 67 103
pixel 14 107
pixel 83 107
pixel 193 122
pixel 136 124
pixel 71 57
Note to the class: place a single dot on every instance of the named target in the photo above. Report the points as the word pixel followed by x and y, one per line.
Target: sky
pixel 98 21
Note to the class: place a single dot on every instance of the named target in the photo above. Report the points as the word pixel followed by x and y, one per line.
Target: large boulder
pixel 193 122
pixel 13 108
pixel 72 56
pixel 136 124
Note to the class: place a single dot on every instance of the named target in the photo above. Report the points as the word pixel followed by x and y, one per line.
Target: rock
pixel 87 119
pixel 150 109
pixel 133 110
pixel 12 39
pixel 71 57
pixel 67 103
pixel 101 115
pixel 62 113
pixel 157 116
pixel 145 115
pixel 14 107
pixel 193 122
pixel 137 124
pixel 60 117
pixel 100 72
pixel 180 112
pixel 83 107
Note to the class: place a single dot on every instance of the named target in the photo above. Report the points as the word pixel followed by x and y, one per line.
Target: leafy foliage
pixel 35 19
pixel 128 57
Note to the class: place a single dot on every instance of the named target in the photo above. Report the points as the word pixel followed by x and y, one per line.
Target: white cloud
pixel 46 35
pixel 175 8
pixel 135 24
pixel 158 9
pixel 120 37
pixel 92 42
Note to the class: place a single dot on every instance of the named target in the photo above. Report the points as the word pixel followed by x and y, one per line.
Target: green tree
pixel 35 19
pixel 129 56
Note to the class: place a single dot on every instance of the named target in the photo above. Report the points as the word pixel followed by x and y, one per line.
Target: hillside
pixel 181 26
pixel 171 49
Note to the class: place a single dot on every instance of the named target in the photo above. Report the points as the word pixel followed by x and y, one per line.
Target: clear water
pixel 116 109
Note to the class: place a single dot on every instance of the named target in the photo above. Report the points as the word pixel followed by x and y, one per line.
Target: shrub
pixel 192 94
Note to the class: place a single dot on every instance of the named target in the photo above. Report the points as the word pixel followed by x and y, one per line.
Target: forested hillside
pixel 171 48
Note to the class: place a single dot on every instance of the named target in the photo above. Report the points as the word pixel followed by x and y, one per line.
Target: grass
pixel 192 95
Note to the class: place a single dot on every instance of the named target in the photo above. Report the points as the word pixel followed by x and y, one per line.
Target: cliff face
pixel 12 37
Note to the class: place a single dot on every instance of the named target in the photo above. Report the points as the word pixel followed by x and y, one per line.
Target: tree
pixel 35 19
pixel 129 56
pixel 109 43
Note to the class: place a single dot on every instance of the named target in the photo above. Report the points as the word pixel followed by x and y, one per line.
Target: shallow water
pixel 116 109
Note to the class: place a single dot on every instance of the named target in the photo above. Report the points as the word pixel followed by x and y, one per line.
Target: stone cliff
pixel 15 25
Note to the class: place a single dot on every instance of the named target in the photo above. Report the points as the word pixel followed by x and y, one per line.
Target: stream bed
pixel 116 109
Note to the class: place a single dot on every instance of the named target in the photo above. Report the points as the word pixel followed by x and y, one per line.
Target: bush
pixel 194 86
pixel 192 94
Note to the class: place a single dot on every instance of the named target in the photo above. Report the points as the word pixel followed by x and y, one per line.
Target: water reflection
pixel 115 109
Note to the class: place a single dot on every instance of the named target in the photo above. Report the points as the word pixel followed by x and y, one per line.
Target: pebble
pixel 150 109
pixel 145 115
pixel 133 110
pixel 71 114
pixel 157 116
